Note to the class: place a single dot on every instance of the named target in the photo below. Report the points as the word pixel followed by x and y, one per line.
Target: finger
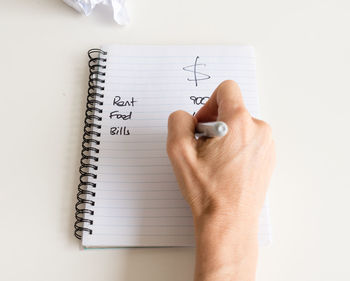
pixel 181 129
pixel 225 100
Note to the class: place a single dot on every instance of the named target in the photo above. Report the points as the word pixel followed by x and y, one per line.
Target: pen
pixel 211 129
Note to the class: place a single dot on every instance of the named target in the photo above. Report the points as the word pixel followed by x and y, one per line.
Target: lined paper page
pixel 137 201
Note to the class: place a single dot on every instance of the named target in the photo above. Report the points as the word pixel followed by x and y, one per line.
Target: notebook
pixel 128 195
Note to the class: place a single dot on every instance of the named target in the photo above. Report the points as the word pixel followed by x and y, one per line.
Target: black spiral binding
pixel 90 143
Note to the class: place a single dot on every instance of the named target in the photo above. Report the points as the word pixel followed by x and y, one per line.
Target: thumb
pixel 181 130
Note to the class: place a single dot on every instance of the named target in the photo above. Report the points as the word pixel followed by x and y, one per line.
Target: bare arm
pixel 224 180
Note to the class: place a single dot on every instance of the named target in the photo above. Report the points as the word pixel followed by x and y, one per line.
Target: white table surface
pixel 303 59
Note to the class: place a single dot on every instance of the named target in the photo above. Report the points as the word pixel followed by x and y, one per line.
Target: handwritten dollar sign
pixel 197 76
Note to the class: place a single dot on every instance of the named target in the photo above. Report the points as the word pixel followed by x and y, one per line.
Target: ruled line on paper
pixel 145 173
pixel 134 166
pixel 158 83
pixel 147 225
pixel 131 149
pixel 161 98
pixel 237 72
pixel 138 190
pixel 174 90
pixel 137 181
pixel 138 235
pixel 136 157
pixel 167 63
pixel 128 141
pixel 145 199
pixel 139 216
pixel 216 57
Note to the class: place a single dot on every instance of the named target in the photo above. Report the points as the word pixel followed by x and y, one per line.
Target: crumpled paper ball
pixel 85 7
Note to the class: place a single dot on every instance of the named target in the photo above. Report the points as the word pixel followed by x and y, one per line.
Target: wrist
pixel 227 247
pixel 226 207
pixel 234 216
pixel 240 227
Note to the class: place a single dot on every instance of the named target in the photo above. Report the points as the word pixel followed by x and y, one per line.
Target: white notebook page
pixel 138 203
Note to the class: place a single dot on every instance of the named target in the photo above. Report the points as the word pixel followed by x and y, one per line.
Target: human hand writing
pixel 224 180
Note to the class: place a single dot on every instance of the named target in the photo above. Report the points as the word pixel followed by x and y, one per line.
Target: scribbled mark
pixel 197 76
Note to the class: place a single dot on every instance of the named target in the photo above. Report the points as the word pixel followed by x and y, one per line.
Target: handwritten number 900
pixel 199 100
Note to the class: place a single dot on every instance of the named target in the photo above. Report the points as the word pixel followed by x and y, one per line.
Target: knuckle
pixel 175 147
pixel 175 115
pixel 228 84
pixel 265 129
pixel 226 88
pixel 172 117
pixel 171 148
pixel 242 114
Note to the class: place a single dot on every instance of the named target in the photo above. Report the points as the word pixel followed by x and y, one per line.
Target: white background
pixel 303 62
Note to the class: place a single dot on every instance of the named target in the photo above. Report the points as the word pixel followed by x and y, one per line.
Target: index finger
pixel 222 104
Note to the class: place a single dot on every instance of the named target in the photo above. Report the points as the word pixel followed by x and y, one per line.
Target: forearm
pixel 224 180
pixel 226 248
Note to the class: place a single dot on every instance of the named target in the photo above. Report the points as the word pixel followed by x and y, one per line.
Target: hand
pixel 224 180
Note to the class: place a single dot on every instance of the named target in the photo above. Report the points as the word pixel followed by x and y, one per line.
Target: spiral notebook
pixel 128 195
